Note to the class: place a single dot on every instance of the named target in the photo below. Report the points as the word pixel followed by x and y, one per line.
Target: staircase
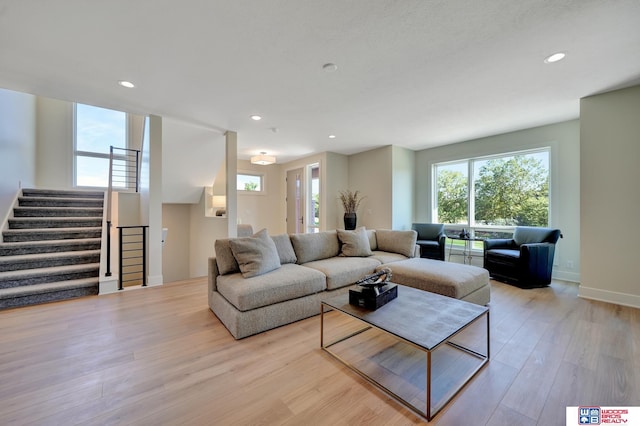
pixel 51 249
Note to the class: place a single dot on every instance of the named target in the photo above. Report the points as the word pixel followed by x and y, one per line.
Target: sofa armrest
pixel 499 243
pixel 537 259
pixel 213 274
pixel 416 251
pixel 536 249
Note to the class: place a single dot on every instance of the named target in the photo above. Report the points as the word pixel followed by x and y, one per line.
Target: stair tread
pixel 62 191
pixel 51 230
pixel 56 255
pixel 57 208
pixel 31 198
pixel 55 218
pixel 48 287
pixel 18 244
pixel 23 273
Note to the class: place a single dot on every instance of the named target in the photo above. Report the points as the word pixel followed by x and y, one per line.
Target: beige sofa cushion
pixel 343 271
pixel 285 249
pixel 224 257
pixel 310 247
pixel 255 255
pixel 288 282
pixel 446 278
pixel 401 242
pixel 354 243
pixel 373 242
pixel 387 257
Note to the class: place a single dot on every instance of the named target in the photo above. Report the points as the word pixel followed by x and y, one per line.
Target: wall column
pixel 155 200
pixel 231 166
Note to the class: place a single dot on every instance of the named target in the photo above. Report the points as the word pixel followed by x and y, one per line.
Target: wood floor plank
pixel 160 356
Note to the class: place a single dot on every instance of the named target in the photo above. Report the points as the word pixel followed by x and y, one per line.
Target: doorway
pixel 313 205
pixel 303 199
pixel 295 219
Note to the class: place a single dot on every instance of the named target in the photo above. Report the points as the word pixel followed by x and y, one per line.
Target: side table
pixel 467 252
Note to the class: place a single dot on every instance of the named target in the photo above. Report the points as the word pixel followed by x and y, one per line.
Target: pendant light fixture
pixel 263 159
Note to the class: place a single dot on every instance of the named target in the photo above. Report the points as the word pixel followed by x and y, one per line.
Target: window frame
pixel 470 161
pixel 92 154
pixel 262 177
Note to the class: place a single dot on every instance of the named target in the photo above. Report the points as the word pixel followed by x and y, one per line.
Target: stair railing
pixel 133 255
pixel 124 175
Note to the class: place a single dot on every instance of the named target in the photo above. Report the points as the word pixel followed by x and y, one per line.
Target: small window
pixel 250 182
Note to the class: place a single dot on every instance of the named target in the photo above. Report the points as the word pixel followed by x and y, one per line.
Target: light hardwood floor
pixel 160 356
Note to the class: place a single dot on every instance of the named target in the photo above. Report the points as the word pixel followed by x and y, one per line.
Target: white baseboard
pixel 623 299
pixel 573 277
pixel 108 285
pixel 153 280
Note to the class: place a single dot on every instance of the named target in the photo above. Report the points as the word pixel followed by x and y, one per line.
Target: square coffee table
pixel 421 348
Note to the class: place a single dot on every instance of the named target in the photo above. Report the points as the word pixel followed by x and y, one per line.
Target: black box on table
pixel 368 298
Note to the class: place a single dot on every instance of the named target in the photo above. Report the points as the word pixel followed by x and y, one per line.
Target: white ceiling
pixel 415 73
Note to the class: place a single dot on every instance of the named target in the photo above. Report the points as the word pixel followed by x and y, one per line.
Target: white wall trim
pixel 153 280
pixel 623 299
pixel 108 285
pixel 573 277
pixel 5 222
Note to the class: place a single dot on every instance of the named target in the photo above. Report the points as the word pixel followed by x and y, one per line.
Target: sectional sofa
pixel 261 282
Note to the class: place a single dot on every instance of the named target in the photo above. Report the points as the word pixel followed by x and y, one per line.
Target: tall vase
pixel 350 220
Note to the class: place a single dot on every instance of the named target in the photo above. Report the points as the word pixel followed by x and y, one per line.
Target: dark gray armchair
pixel 431 239
pixel 526 260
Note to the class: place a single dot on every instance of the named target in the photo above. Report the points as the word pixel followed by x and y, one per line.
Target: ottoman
pixel 464 282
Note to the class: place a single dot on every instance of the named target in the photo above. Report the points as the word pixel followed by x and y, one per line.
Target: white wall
pixel 262 210
pixel 403 175
pixel 187 146
pixel 564 141
pixel 176 250
pixel 371 173
pixel 203 232
pixel 610 198
pixel 17 146
pixel 54 156
pixel 334 179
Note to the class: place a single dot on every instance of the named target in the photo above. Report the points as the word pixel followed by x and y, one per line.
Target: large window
pixel 501 191
pixel 96 129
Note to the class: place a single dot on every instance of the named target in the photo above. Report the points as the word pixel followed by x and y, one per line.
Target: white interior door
pixel 295 201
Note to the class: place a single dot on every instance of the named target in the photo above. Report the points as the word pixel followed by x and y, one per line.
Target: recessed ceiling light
pixel 330 67
pixel 555 57
pixel 332 136
pixel 255 117
pixel 127 84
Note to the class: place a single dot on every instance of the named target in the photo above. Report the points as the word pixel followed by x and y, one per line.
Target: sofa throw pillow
pixel 354 243
pixel 224 257
pixel 255 255
pixel 285 249
pixel 373 242
pixel 401 242
pixel 310 247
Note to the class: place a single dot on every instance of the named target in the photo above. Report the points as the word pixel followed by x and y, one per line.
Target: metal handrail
pixel 128 179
